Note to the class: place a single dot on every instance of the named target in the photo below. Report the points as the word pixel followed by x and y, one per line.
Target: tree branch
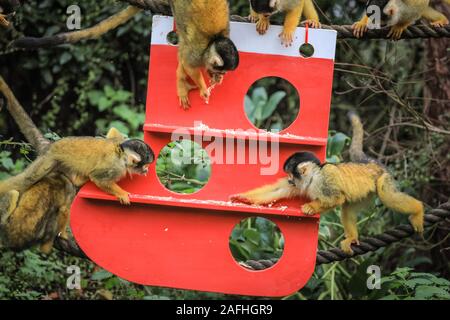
pixel 72 37
pixel 23 120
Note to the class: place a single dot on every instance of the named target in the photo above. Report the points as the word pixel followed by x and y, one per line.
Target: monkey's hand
pixel 253 16
pixel 124 199
pixel 205 93
pixel 396 32
pixel 312 23
pixel 251 199
pixel 346 245
pixel 216 79
pixel 287 37
pixel 309 209
pixel 3 20
pixel 262 25
pixel 359 28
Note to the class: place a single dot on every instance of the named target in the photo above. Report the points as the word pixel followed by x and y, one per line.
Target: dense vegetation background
pixel 83 89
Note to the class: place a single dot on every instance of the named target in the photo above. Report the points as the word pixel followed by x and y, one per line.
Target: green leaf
pixel 250 108
pixel 65 57
pixel 272 104
pixel 336 144
pixel 252 235
pixel 101 275
pixel 94 96
pixel 109 91
pixel 104 103
pixel 427 292
pixel 259 95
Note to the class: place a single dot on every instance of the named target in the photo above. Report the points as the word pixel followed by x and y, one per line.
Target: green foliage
pixel 255 239
pixel 114 104
pixel 272 104
pixel 183 166
pixel 337 141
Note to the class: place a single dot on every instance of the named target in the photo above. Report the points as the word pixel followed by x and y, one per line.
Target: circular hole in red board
pixel 272 104
pixel 306 50
pixel 256 239
pixel 172 38
pixel 183 167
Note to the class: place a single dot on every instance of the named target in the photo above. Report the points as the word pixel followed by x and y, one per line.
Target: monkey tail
pixel 356 148
pixel 71 37
pixel 37 170
pixel 400 202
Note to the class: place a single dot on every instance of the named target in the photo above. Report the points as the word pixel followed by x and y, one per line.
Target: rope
pixel 344 31
pixel 323 256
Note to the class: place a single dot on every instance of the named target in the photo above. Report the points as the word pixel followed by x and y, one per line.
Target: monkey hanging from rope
pixel 351 185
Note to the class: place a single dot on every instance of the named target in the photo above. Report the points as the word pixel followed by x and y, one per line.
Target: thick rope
pixel 323 256
pixel 344 31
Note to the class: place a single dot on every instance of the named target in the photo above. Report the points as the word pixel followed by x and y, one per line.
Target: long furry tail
pixel 37 170
pixel 71 37
pixel 356 148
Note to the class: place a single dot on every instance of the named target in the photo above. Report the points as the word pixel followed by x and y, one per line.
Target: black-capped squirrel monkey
pixel 37 215
pixel 103 161
pixel 203 29
pixel 400 14
pixel 351 185
pixel 7 7
pixel 261 10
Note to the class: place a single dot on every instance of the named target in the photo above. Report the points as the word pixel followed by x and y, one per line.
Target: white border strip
pixel 246 39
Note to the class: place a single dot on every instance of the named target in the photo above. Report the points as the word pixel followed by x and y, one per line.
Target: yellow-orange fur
pixel 404 13
pixel 350 185
pixel 294 9
pixel 36 216
pixel 97 159
pixel 198 22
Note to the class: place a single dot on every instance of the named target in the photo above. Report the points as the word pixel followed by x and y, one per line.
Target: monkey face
pixel 220 57
pixel 139 156
pixel 265 7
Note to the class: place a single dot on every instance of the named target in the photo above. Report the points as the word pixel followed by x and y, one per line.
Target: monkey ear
pixel 113 133
pixel 133 158
pixel 216 61
pixel 273 3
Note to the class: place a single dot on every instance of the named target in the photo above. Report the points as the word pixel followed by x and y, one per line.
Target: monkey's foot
pixel 359 28
pixel 396 32
pixel 262 25
pixel 312 23
pixel 439 23
pixel 308 209
pixel 287 37
pixel 124 199
pixel 346 245
pixel 416 221
pixel 3 20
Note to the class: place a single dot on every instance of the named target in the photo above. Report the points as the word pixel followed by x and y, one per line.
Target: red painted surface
pixel 181 241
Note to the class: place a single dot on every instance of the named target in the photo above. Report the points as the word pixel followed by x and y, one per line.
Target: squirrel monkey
pixel 103 161
pixel 37 215
pixel 261 10
pixel 351 185
pixel 203 28
pixel 7 7
pixel 400 14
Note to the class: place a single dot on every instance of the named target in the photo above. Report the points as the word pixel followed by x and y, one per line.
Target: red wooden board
pixel 181 241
